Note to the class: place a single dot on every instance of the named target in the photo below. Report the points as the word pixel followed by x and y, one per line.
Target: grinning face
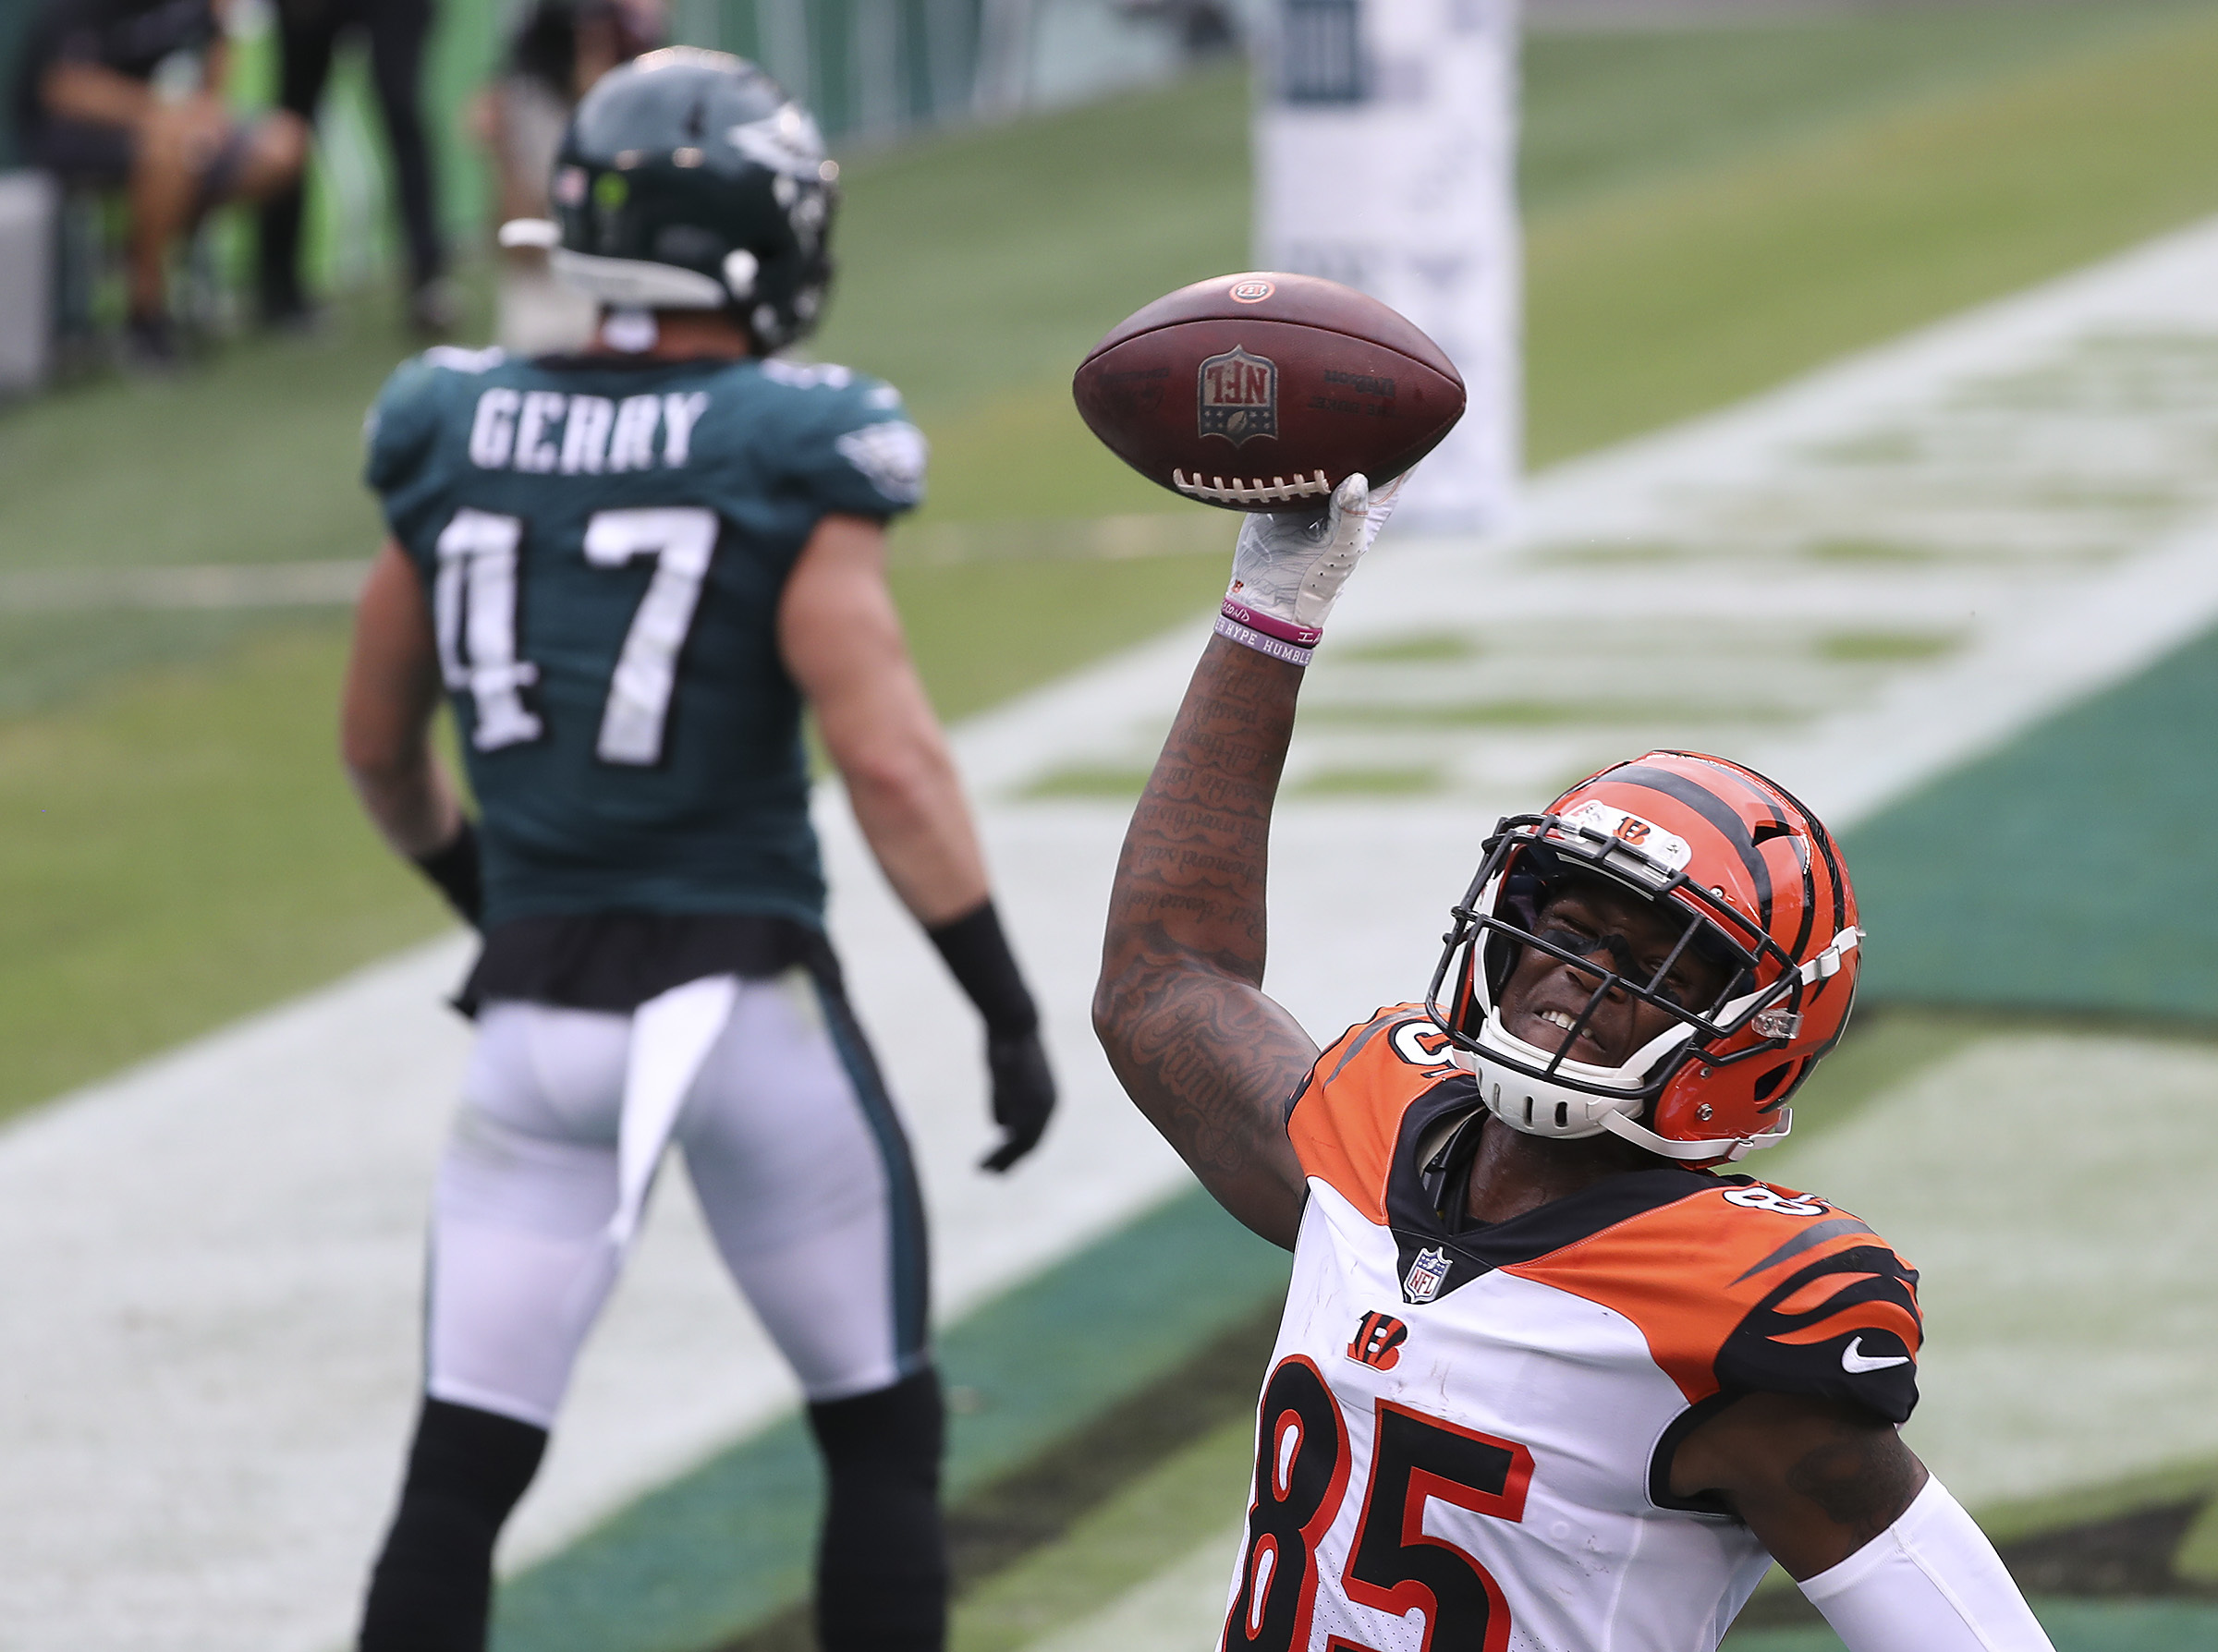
pixel 1624 933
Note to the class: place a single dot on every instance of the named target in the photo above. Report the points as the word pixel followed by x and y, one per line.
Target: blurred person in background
pixel 128 94
pixel 308 32
pixel 1206 29
pixel 630 568
pixel 558 51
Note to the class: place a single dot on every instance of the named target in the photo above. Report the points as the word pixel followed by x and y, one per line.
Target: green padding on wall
pixel 2075 870
pixel 728 1543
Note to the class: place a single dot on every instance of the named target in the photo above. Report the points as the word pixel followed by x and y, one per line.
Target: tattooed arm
pixel 1814 1479
pixel 1179 1007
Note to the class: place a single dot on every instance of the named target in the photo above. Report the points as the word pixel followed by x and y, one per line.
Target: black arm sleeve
pixel 978 956
pixel 455 870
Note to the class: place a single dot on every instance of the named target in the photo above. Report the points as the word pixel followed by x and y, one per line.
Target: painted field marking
pixel 218 1254
pixel 214 585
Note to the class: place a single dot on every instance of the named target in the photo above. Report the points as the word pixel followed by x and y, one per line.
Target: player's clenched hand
pixel 1024 1095
pixel 1291 565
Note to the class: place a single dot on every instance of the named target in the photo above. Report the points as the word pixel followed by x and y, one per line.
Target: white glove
pixel 1289 567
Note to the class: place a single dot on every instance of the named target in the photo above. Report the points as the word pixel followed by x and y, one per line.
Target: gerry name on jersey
pixel 1466 1436
pixel 605 539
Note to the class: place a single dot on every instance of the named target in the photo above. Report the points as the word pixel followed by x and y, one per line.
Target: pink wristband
pixel 1261 642
pixel 1285 630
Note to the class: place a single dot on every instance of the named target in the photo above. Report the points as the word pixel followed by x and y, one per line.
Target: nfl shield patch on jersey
pixel 1426 1275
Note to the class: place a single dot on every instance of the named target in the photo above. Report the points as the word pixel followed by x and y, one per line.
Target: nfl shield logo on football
pixel 1426 1276
pixel 1239 396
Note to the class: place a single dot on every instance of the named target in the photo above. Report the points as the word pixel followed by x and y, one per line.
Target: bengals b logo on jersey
pixel 1378 1342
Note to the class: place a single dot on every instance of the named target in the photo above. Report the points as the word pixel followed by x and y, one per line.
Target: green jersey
pixel 603 543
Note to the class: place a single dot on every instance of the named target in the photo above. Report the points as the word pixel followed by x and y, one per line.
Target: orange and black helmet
pixel 1746 877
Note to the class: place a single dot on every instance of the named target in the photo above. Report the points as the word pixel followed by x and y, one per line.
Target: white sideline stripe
pixel 211 1360
pixel 2041 632
pixel 216 1261
pixel 212 585
pixel 2097 634
pixel 336 583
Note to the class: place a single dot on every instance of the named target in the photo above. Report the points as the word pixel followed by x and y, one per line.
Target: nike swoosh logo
pixel 1853 1363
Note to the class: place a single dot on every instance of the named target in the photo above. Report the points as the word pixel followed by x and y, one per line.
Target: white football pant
pixel 796 1155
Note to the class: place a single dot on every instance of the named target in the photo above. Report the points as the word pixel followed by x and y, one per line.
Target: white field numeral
pixel 473 610
pixel 681 539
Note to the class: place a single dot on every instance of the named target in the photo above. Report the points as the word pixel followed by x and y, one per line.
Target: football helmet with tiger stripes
pixel 1741 875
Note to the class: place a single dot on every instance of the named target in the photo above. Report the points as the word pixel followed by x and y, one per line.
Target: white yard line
pixel 215 1257
pixel 210 586
pixel 2054 1191
pixel 215 1260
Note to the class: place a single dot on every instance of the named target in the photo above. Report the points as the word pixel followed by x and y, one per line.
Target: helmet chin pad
pixel 1534 1091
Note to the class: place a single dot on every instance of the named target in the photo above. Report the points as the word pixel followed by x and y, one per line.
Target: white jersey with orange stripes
pixel 1464 1440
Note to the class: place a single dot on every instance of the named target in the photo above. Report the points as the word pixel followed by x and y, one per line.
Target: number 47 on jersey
pixel 474 614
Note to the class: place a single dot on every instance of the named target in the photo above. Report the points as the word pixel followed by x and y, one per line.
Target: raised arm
pixel 1180 1008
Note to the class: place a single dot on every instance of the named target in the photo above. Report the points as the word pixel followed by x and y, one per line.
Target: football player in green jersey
pixel 630 570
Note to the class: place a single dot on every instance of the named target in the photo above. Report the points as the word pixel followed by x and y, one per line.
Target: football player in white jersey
pixel 1551 1373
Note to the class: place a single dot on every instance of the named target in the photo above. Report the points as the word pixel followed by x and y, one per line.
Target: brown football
pixel 1264 392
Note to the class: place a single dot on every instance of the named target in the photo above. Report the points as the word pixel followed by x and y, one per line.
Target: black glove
pixel 455 870
pixel 978 956
pixel 1024 1096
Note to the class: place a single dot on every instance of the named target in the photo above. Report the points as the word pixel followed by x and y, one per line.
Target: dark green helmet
pixel 690 180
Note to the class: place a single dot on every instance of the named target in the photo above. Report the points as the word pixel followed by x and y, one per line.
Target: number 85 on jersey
pixel 1302 1470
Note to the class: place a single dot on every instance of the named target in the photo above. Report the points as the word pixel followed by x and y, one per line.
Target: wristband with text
pixel 1262 642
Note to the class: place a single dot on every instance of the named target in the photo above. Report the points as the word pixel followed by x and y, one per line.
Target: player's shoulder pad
pixel 1750 1287
pixel 1345 1117
pixel 849 436
pixel 417 394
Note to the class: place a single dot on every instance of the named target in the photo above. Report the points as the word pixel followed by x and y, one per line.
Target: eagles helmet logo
pixel 787 142
pixel 1239 396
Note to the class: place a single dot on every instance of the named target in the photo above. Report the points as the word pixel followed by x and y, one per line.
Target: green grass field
pixel 1708 212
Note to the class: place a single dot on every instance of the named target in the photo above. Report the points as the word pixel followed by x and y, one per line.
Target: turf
pixel 1695 233
pixel 178 849
pixel 1715 283
pixel 1624 136
pixel 687 1566
pixel 1158 1519
pixel 1609 111
pixel 2064 872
